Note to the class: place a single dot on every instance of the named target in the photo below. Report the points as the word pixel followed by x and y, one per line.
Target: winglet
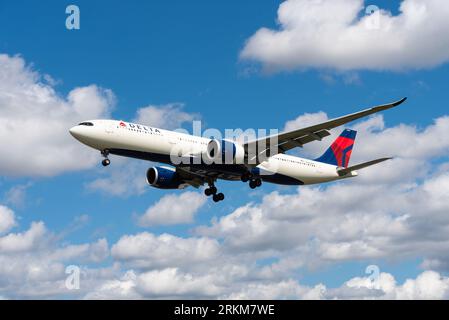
pixel 388 105
pixel 395 104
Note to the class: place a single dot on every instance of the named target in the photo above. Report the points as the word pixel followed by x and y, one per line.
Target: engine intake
pixel 164 178
pixel 224 152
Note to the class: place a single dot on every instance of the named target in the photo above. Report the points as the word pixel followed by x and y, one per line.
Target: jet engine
pixel 164 178
pixel 224 152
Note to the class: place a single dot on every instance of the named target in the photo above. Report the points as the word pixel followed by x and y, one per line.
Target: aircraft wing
pixel 344 171
pixel 297 138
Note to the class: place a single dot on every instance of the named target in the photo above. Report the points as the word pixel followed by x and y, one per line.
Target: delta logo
pixel 138 127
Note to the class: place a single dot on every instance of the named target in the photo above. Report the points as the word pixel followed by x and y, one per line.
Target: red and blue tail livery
pixel 340 151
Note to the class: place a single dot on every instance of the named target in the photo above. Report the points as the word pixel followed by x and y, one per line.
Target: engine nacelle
pixel 224 152
pixel 164 178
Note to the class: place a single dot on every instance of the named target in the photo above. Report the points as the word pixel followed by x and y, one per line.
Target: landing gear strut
pixel 212 191
pixel 253 182
pixel 106 161
pixel 245 177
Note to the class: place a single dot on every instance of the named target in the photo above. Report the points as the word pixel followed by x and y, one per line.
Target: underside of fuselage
pixel 230 172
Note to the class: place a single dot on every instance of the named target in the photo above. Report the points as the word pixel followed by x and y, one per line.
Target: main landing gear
pixel 212 191
pixel 253 182
pixel 106 161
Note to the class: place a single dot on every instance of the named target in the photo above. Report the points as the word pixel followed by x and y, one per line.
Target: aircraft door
pixel 110 127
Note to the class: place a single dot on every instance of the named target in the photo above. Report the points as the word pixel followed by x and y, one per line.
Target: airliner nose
pixel 73 131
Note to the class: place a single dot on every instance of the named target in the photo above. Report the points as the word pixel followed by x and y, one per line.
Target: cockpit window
pixel 89 124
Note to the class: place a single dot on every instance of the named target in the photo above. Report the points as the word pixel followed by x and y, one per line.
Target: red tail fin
pixel 339 152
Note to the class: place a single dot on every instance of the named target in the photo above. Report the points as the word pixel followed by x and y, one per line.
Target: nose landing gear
pixel 106 161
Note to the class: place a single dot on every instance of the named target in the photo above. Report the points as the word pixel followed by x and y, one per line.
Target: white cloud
pixel 169 116
pixel 124 177
pixel 36 118
pixel 16 195
pixel 427 285
pixel 24 241
pixel 91 252
pixel 33 261
pixel 287 289
pixel 167 266
pixel 330 34
pixel 171 283
pixel 121 288
pixel 146 250
pixel 7 219
pixel 174 283
pixel 342 222
pixel 173 209
pixel 305 120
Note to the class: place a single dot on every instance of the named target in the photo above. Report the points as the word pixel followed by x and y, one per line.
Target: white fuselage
pixel 139 141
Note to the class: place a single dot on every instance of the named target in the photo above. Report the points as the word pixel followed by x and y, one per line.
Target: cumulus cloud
pixel 337 34
pixel 24 241
pixel 122 287
pixel 145 265
pixel 175 283
pixel 145 250
pixel 342 222
pixel 427 285
pixel 88 252
pixel 170 283
pixel 286 289
pixel 169 116
pixel 124 177
pixel 37 119
pixel 173 209
pixel 7 219
pixel 33 261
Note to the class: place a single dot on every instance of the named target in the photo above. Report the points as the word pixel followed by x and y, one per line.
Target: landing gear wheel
pixel 252 184
pixel 208 192
pixel 218 197
pixel 106 161
pixel 258 182
pixel 213 189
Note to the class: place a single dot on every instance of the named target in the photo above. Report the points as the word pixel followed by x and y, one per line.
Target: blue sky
pixel 158 54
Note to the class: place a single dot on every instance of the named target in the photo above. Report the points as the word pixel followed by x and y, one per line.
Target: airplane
pixel 200 160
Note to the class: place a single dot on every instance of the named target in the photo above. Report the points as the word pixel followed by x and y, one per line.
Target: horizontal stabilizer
pixel 345 171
